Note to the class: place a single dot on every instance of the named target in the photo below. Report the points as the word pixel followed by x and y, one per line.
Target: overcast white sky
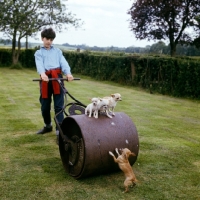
pixel 105 24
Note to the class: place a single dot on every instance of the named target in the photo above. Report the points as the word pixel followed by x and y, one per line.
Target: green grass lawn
pixel 168 164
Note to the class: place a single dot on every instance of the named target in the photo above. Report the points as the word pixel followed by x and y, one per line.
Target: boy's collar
pixel 45 47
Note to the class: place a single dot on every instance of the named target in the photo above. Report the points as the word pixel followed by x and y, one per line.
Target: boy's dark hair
pixel 48 33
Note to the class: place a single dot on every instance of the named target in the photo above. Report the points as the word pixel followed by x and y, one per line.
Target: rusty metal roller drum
pixel 89 140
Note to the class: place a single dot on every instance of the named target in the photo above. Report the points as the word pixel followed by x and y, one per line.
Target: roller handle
pixel 55 79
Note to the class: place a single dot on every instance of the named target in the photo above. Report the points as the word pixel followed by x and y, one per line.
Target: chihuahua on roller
pixel 112 101
pixel 103 107
pixel 92 108
pixel 125 166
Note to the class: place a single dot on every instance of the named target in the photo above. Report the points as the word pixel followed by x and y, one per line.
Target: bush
pixel 166 75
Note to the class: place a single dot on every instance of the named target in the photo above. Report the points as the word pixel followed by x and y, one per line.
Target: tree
pixel 158 47
pixel 196 41
pixel 22 18
pixel 165 19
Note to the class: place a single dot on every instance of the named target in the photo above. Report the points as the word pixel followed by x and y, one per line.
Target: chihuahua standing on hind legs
pixel 125 166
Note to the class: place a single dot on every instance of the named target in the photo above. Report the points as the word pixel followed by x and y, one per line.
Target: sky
pixel 105 24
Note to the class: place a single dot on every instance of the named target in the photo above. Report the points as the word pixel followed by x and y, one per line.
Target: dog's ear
pixel 132 154
pixel 112 95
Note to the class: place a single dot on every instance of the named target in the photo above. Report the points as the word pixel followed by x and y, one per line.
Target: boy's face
pixel 47 42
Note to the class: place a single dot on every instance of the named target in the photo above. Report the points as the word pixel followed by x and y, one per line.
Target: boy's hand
pixel 69 77
pixel 44 77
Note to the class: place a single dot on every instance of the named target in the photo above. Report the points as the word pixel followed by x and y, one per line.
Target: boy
pixel 50 63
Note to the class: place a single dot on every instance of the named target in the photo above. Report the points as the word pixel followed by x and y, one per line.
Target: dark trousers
pixel 46 104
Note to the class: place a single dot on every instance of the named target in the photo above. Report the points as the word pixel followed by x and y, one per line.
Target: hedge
pixel 166 75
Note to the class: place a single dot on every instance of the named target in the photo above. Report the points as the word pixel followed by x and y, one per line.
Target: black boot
pixel 45 130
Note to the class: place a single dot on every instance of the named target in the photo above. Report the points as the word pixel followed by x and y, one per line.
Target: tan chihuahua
pixel 125 166
pixel 112 101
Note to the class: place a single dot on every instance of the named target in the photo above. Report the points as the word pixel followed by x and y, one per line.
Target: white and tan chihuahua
pixel 125 166
pixel 92 108
pixel 112 101
pixel 103 107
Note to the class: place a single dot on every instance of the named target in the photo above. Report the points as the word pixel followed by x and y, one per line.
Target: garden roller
pixel 84 143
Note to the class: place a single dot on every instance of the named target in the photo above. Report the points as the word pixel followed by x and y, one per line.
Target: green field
pixel 168 164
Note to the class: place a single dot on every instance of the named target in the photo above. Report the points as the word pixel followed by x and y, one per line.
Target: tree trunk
pixel 18 50
pixel 15 53
pixel 173 49
pixel 26 41
pixel 14 61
